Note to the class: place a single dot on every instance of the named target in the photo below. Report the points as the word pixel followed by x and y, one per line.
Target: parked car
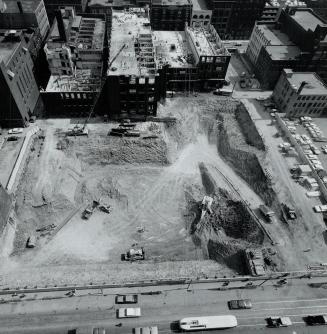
pixel 15 131
pixel 320 208
pixel 146 330
pixel 12 138
pixel 275 322
pixel 239 304
pixel 314 320
pixel 132 312
pixel 126 299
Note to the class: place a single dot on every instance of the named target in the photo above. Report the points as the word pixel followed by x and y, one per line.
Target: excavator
pixel 82 130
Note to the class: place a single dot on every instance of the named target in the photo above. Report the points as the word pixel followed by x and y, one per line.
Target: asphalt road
pixel 98 308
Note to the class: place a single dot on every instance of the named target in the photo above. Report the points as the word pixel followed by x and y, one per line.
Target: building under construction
pixel 132 78
pixel 193 59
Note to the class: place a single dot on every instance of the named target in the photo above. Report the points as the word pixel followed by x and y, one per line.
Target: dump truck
pixel 87 213
pixel 134 254
pixel 288 213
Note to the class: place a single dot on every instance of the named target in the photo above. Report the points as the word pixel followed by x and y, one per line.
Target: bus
pixel 209 322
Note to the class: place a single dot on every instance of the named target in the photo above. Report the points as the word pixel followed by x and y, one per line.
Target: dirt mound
pixel 249 130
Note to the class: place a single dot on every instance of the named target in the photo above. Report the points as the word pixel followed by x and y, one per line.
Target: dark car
pixel 314 320
pixel 239 304
pixel 126 299
pixel 12 138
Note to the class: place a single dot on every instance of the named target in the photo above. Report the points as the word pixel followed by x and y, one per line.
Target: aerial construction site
pixel 180 198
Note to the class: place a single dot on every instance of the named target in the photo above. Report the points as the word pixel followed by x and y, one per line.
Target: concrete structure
pixel 201 14
pixel 132 77
pixel 75 42
pixel 319 7
pixel 71 95
pixel 19 91
pixel 52 6
pixel 300 94
pixel 170 14
pixel 24 14
pixel 194 59
pixel 235 19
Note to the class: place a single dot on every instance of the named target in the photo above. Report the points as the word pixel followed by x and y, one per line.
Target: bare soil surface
pixel 155 188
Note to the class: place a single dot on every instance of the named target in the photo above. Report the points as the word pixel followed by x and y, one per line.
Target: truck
pixel 288 213
pixel 87 213
pixel 134 254
pixel 267 213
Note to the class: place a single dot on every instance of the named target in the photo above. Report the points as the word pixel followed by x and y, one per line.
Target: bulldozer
pixel 133 254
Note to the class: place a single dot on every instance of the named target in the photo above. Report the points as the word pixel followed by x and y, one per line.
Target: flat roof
pixel 306 19
pixel 83 81
pixel 314 84
pixel 29 6
pixel 283 52
pixel 131 44
pixel 104 3
pixel 199 5
pixel 276 37
pixel 171 48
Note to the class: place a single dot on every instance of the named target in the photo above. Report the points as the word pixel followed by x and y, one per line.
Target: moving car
pixel 275 322
pixel 129 312
pixel 126 299
pixel 314 320
pixel 15 131
pixel 146 330
pixel 239 304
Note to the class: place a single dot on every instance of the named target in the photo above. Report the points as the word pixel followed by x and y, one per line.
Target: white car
pixel 129 312
pixel 260 98
pixel 15 131
pixel 320 208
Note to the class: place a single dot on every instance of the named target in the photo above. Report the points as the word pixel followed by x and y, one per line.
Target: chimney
pixel 303 83
pixel 20 7
pixel 61 26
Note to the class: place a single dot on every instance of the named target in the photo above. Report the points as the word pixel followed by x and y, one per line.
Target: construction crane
pixel 82 130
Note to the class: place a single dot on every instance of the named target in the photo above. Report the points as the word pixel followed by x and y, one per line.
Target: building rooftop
pixel 199 5
pixel 206 43
pixel 306 19
pixel 29 6
pixel 290 3
pixel 171 2
pixel 82 81
pixel 110 3
pixel 9 41
pixel 283 52
pixel 314 84
pixel 172 49
pixel 131 44
pixel 276 37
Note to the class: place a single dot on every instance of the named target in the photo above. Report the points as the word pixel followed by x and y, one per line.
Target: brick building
pixel 201 14
pixel 170 14
pixel 300 94
pixel 19 91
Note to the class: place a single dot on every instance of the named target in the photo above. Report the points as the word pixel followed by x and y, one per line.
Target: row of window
pixel 316 104
pixel 84 96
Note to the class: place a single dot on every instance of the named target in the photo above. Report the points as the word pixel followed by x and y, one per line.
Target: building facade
pixel 300 94
pixel 25 14
pixel 170 14
pixel 19 91
pixel 201 14
pixel 52 6
pixel 235 19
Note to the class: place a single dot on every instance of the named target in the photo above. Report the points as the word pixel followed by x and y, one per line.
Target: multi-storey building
pixel 52 6
pixel 132 77
pixel 75 42
pixel 201 14
pixel 235 19
pixel 300 94
pixel 297 41
pixel 193 59
pixel 170 14
pixel 24 14
pixel 20 96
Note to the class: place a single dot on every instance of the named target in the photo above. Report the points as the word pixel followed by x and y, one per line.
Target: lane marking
pixel 283 315
pixel 290 308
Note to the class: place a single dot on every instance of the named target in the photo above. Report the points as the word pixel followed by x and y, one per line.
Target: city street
pixel 59 313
